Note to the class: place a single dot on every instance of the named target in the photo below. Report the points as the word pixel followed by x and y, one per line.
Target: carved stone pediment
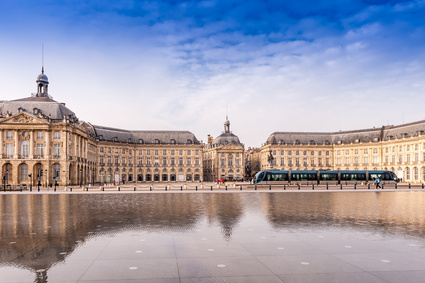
pixel 23 118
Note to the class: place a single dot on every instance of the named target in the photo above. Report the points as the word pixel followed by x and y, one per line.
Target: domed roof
pixel 226 138
pixel 42 77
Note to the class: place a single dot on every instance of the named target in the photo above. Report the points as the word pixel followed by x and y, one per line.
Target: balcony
pixel 38 157
pixel 56 156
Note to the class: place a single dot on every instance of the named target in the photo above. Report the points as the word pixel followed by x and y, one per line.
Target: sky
pixel 270 65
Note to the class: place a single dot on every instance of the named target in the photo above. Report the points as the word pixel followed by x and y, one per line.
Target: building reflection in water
pixel 39 230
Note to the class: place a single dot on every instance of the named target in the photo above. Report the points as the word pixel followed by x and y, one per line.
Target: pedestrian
pixel 377 182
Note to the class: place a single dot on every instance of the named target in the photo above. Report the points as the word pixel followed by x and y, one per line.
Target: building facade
pixel 43 142
pixel 400 149
pixel 224 156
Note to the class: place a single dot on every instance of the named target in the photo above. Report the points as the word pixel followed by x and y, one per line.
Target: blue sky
pixel 182 65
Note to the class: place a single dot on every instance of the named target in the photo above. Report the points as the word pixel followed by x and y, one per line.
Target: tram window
pixel 328 177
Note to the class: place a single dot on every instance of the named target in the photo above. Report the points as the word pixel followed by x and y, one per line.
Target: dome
pixel 226 138
pixel 42 78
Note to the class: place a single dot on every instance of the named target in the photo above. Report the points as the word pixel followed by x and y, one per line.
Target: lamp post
pixel 80 177
pixel 45 171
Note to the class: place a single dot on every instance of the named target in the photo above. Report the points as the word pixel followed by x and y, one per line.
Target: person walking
pixel 378 182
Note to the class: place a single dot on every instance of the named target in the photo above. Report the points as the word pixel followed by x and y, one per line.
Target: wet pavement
pixel 367 236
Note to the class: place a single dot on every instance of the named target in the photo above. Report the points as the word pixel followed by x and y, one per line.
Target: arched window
pixel 56 171
pixel 25 148
pixel 173 141
pixel 157 141
pixel 24 171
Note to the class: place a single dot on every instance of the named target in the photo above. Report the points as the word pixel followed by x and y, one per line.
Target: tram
pixel 302 177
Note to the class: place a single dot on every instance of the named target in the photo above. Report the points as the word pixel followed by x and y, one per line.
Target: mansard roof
pixel 37 105
pixel 226 138
pixel 346 137
pixel 147 137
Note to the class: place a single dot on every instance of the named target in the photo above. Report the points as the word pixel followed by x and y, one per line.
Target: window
pixel 347 152
pixel 189 152
pixel 140 141
pixel 230 162
pixel 109 160
pixel 56 171
pixel 416 157
pixel 101 149
pixel 197 152
pixel 365 151
pixel 290 161
pixel 237 162
pixel 312 162
pixel 24 172
pixel 148 152
pixel 282 152
pixel 305 152
pixel 305 161
pixel 164 161
pixel 9 135
pixel 180 152
pixel 338 152
pixel 365 160
pixel 148 161
pixel 320 161
pixel 327 162
pixel 123 160
pixel 156 152
pixel 327 153
pixel 130 152
pixel 375 160
pixel 109 150
pixel 290 152
pixel 297 161
pixel 101 159
pixel 156 161
pixel 172 161
pixel 408 173
pixel 408 148
pixel 140 161
pixel 338 161
pixel 222 162
pixel 56 150
pixel 189 141
pixel 375 150
pixel 173 141
pixel 347 161
pixel 172 152
pixel 157 141
pixel 57 135
pixel 416 147
pixel 416 172
pixel 408 157
pixel 123 151
pixel 25 148
pixel 9 149
pixel 312 152
pixel 189 161
pixel 40 149
pixel 356 160
pixel 39 135
pixel 356 151
pixel 116 159
pixel 297 153
pixel 164 152
pixel 180 160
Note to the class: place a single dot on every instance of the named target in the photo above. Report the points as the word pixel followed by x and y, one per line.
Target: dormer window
pixel 173 141
pixel 129 140
pixel 282 142
pixel 297 142
pixel 115 139
pixel 312 142
pixel 101 137
pixel 20 110
pixel 140 141
pixel 35 111
pixel 157 141
pixel 189 141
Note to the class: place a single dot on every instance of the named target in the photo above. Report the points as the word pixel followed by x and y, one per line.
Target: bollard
pixel 395 186
pixel 312 186
pixel 368 186
pixel 241 187
pixel 422 185
pixel 298 186
pixel 87 189
pixel 409 186
pixel 284 187
pixel 30 189
pixel 54 189
pixel 21 189
pixel 103 189
pixel 327 186
pixel 150 188
pixel 70 189
pixel 270 187
pixel 134 188
pixel 196 188
pixel 119 189
pixel 340 186
pixel 211 188
pixel 181 188
pixel 255 187
pixel 382 185
pixel 165 188
pixel 226 188
pixel 38 189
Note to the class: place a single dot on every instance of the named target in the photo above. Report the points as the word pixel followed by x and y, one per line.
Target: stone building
pixel 400 149
pixel 43 142
pixel 224 156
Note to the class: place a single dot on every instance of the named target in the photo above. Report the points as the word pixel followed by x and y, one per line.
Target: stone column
pixel 47 154
pixel 31 133
pixel 16 141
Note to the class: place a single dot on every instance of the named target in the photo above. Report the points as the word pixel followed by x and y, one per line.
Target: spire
pixel 227 125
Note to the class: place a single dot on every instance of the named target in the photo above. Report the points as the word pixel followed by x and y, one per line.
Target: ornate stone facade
pixel 400 149
pixel 43 142
pixel 224 157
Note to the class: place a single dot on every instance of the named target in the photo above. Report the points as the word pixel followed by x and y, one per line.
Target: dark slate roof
pixel 45 105
pixel 148 137
pixel 226 138
pixel 346 137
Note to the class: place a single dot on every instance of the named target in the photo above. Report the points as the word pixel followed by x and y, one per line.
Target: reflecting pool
pixel 213 237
